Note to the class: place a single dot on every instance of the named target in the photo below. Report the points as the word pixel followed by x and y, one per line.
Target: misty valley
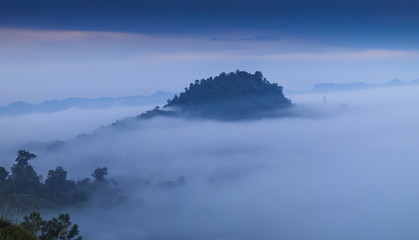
pixel 209 120
pixel 229 158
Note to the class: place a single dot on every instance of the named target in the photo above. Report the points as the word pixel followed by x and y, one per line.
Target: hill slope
pixel 234 96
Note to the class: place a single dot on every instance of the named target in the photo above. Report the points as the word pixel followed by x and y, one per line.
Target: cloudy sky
pixel 91 48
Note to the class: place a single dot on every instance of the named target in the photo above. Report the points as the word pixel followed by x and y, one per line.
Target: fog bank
pixel 347 172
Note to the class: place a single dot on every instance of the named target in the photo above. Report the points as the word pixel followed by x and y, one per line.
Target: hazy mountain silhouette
pixel 50 106
pixel 338 87
pixel 330 87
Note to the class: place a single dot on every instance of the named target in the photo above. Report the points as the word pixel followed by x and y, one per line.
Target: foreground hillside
pixel 9 231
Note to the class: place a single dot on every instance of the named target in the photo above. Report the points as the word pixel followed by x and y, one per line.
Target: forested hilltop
pixel 233 96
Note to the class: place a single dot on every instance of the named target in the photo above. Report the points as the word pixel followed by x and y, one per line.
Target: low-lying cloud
pixel 348 173
pixel 18 130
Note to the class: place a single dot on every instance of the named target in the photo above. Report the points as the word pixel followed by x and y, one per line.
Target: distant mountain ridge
pixel 21 107
pixel 337 87
pixel 325 87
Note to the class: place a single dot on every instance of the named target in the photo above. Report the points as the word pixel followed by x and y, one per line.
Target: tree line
pixel 23 188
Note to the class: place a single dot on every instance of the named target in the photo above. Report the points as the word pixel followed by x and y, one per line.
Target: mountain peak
pixel 232 96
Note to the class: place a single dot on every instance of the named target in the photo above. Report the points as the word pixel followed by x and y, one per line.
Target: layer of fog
pixel 16 131
pixel 350 172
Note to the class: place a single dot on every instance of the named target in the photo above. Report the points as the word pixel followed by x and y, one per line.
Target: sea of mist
pixel 344 169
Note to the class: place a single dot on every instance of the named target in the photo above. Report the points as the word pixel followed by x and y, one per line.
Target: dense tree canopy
pixel 56 228
pixel 229 87
pixel 234 96
pixel 23 188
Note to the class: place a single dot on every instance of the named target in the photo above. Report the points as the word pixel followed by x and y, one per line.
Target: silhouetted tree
pixel 59 189
pixel 33 223
pixel 56 178
pixel 5 185
pixel 3 174
pixel 24 177
pixel 99 174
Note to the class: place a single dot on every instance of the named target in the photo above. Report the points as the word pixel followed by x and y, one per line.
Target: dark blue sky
pixel 304 17
pixel 129 47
